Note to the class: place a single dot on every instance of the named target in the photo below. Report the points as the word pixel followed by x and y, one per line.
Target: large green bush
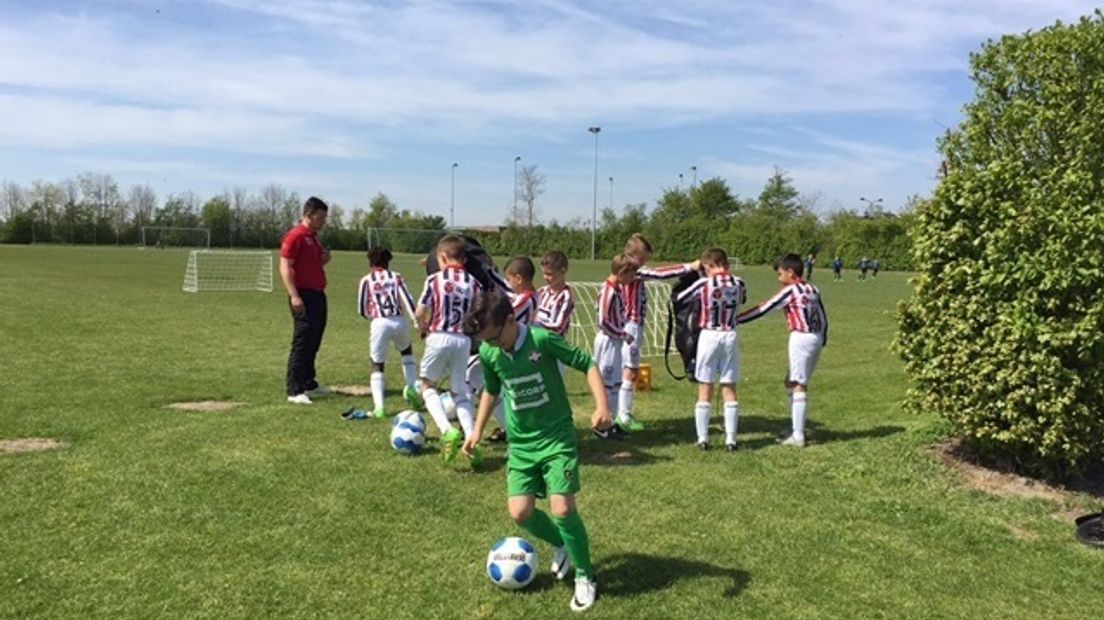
pixel 1004 334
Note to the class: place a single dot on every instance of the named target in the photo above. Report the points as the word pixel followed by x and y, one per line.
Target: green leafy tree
pixel 1004 334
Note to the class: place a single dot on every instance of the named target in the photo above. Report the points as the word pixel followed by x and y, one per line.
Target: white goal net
pixel 227 270
pixel 584 324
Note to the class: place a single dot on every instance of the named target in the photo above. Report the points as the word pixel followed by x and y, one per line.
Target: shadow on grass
pixel 615 453
pixel 630 574
pixel 681 431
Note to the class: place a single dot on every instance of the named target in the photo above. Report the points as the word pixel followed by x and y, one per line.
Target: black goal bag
pixel 683 320
pixel 478 263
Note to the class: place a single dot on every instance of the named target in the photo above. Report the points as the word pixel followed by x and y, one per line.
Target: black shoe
pixel 612 432
pixel 498 436
pixel 731 447
pixel 703 446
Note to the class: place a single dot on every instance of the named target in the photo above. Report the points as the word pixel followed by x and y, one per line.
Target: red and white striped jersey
pixel 720 297
pixel 803 307
pixel 554 309
pixel 383 293
pixel 447 296
pixel 636 297
pixel 611 310
pixel 525 306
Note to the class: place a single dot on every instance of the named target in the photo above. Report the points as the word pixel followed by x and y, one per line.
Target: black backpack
pixel 478 262
pixel 683 320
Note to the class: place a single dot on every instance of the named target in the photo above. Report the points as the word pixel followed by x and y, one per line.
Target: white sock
pixel 465 414
pixel 377 383
pixel 799 403
pixel 624 405
pixel 731 421
pixel 499 414
pixel 410 370
pixel 789 394
pixel 611 397
pixel 702 410
pixel 436 410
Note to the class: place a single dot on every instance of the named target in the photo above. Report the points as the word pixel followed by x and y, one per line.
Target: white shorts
pixel 607 356
pixel 446 355
pixel 392 329
pixel 718 358
pixel 475 374
pixel 630 353
pixel 804 353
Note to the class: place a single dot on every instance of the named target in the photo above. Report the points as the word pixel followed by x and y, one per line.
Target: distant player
pixel 555 305
pixel 382 297
pixel 809 263
pixel 864 265
pixel 808 323
pixel 720 294
pixel 639 251
pixel 837 269
pixel 613 337
pixel 447 296
pixel 520 365
pixel 874 267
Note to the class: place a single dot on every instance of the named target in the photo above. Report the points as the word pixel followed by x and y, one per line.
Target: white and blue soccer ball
pixel 512 563
pixel 410 417
pixel 408 437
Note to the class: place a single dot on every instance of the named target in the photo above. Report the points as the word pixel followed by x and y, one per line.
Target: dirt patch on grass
pixel 30 444
pixel 1021 533
pixel 352 390
pixel 1001 480
pixel 206 405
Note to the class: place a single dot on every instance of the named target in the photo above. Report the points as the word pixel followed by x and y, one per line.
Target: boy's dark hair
pixel 715 257
pixel 555 260
pixel 452 246
pixel 379 256
pixel 314 204
pixel 620 263
pixel 490 309
pixel 791 262
pixel 521 266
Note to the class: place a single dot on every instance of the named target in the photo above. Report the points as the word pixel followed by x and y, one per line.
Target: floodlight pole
pixel 694 169
pixel 680 181
pixel 870 204
pixel 516 160
pixel 594 214
pixel 611 194
pixel 452 198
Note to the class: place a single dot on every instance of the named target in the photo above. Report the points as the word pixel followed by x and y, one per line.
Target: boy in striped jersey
pixel 523 299
pixel 555 304
pixel 720 294
pixel 638 250
pixel 382 298
pixel 447 296
pixel 612 337
pixel 808 323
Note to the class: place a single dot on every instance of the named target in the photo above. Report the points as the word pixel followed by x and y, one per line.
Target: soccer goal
pixel 227 270
pixel 584 324
pixel 174 237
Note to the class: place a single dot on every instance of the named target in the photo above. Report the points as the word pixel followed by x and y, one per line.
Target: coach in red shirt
pixel 301 259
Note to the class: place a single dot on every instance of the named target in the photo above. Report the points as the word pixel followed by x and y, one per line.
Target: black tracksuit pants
pixel 306 338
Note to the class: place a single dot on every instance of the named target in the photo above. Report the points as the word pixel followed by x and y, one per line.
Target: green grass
pixel 279 511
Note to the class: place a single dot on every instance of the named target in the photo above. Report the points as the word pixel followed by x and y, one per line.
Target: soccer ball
pixel 512 563
pixel 408 437
pixel 411 418
pixel 449 404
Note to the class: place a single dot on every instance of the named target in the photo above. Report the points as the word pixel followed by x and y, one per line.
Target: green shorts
pixel 544 473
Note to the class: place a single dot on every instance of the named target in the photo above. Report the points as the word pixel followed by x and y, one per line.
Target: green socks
pixel 540 525
pixel 578 545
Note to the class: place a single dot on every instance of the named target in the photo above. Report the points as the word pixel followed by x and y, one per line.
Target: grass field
pixel 273 510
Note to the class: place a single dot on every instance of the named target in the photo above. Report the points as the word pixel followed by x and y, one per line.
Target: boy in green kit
pixel 520 363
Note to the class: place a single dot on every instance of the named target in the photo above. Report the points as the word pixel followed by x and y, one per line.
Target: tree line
pixel 92 209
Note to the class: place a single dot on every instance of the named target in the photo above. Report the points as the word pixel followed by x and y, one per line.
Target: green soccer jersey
pixel 538 414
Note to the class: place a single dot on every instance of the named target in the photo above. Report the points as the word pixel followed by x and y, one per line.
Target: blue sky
pixel 345 99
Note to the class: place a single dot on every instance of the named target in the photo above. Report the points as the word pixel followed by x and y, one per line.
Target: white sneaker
pixel 586 592
pixel 300 399
pixel 793 441
pixel 561 563
pixel 321 390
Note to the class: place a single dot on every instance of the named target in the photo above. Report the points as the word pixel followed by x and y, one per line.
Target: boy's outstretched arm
pixel 601 418
pixel 486 403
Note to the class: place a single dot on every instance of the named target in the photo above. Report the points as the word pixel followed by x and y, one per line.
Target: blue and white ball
pixel 412 418
pixel 408 437
pixel 512 563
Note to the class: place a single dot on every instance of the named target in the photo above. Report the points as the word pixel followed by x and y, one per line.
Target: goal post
pixel 175 236
pixel 228 270
pixel 584 324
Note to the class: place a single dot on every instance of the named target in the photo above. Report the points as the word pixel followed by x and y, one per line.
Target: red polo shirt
pixel 301 245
